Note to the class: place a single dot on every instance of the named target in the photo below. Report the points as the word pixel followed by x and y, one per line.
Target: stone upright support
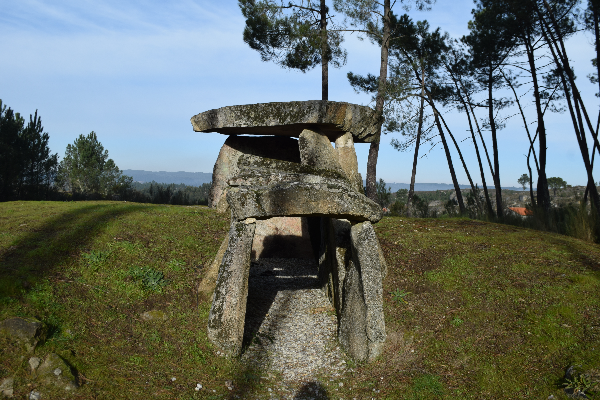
pixel 342 256
pixel 207 285
pixel 352 329
pixel 363 337
pixel 335 258
pixel 316 151
pixel 228 311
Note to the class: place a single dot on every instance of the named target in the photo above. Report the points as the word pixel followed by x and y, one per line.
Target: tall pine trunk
pixel 324 54
pixel 543 196
pixel 557 48
pixel 499 210
pixel 374 148
pixel 411 190
pixel 459 198
pixel 469 111
pixel 462 160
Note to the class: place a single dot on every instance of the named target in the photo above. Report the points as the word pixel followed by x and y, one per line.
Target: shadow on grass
pixel 40 253
pixel 577 252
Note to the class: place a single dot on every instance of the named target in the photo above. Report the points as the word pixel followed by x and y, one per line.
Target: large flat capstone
pixel 332 118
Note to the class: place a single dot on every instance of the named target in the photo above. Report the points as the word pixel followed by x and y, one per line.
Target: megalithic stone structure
pixel 270 174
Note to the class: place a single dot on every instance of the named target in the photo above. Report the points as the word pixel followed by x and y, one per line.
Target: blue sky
pixel 135 73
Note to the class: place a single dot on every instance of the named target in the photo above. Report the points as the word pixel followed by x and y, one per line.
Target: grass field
pixel 473 310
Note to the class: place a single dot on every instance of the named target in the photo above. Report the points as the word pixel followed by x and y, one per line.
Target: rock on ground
pixel 29 332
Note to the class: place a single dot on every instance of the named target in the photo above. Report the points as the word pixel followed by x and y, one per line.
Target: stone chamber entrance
pixel 290 325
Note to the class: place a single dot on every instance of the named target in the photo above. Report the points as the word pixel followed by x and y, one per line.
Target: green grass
pixel 473 310
pixel 90 269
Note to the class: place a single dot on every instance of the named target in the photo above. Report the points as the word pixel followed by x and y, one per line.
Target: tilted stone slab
pixel 316 151
pixel 331 118
pixel 261 178
pixel 250 166
pixel 209 281
pixel 344 147
pixel 307 195
pixel 367 258
pixel 228 311
pixel 277 149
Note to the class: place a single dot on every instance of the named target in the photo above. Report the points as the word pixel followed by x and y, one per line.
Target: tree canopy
pixel 556 183
pixel 523 181
pixel 86 170
pixel 27 169
pixel 296 35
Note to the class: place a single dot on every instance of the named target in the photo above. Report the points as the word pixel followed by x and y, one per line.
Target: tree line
pixel 515 55
pixel 29 171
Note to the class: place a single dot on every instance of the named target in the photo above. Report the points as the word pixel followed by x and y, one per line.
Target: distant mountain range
pixel 187 178
pixel 198 178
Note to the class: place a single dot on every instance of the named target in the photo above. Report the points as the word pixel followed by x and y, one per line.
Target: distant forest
pixel 181 194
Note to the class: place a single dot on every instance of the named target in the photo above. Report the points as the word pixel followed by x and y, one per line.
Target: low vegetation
pixel 474 310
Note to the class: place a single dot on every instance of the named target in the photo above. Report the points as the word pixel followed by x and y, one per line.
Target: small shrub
pixel 399 295
pixel 95 257
pixel 397 208
pixel 579 384
pixel 150 278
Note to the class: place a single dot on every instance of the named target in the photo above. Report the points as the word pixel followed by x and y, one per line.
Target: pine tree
pixel 86 170
pixel 27 168
pixel 295 35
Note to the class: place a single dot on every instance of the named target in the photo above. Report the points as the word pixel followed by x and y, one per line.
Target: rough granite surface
pixel 309 195
pixel 346 155
pixel 352 330
pixel 291 118
pixel 27 331
pixel 364 254
pixel 227 314
pixel 54 370
pixel 278 149
pixel 316 151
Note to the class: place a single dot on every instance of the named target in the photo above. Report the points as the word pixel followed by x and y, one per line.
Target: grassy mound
pixel 473 310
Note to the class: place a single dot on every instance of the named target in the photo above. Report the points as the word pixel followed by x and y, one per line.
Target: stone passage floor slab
pixel 291 327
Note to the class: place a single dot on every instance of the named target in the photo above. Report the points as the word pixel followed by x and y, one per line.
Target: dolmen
pixel 278 161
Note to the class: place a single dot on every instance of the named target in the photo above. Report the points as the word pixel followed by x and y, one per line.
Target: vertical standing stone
pixel 326 258
pixel 340 246
pixel 228 311
pixel 344 147
pixel 352 330
pixel 210 277
pixel 366 256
